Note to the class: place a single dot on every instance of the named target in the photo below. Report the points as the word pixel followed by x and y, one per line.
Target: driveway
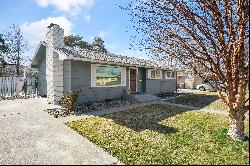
pixel 28 135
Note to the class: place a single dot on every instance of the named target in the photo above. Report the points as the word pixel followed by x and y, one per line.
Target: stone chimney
pixel 55 36
pixel 54 67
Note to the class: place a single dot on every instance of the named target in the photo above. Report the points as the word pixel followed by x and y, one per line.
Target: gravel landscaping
pixel 17 97
pixel 90 107
pixel 170 95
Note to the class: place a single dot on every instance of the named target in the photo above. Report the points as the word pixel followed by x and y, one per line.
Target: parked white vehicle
pixel 208 87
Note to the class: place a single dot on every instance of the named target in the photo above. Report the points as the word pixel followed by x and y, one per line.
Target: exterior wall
pixel 58 86
pixel 81 77
pixel 141 80
pixel 67 76
pixel 155 86
pixel 180 81
pixel 42 83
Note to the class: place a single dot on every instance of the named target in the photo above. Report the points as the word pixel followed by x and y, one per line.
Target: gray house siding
pixel 67 76
pixel 42 83
pixel 141 80
pixel 155 86
pixel 81 77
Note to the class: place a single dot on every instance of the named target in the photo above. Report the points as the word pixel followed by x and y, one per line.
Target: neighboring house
pixel 96 75
pixel 187 79
pixel 2 63
pixel 10 69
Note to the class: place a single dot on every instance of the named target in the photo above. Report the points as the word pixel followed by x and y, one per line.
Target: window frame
pixel 155 71
pixel 172 72
pixel 110 67
pixel 94 76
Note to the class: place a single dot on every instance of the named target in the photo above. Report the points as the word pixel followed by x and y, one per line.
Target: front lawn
pixel 158 134
pixel 208 100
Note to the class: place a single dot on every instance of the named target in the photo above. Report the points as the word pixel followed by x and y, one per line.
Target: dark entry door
pixel 133 80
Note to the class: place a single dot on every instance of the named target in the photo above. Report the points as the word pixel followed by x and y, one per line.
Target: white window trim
pixel 93 76
pixel 166 76
pixel 157 78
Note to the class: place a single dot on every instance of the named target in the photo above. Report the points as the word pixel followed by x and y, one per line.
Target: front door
pixel 133 80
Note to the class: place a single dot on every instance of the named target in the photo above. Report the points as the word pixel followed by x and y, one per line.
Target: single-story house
pixel 97 76
pixel 186 79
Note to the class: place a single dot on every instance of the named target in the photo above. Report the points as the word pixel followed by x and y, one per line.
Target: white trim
pixel 135 68
pixel 93 75
pixel 123 76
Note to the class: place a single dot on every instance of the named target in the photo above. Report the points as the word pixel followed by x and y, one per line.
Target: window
pixel 108 76
pixel 155 74
pixel 189 74
pixel 170 75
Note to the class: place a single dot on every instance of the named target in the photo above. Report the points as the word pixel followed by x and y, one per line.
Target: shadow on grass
pixel 196 100
pixel 146 118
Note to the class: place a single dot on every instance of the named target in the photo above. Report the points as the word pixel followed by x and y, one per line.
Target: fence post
pixel 36 86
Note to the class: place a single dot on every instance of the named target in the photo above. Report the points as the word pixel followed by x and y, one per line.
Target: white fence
pixel 17 86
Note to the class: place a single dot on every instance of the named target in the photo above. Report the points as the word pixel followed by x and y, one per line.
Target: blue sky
pixel 87 18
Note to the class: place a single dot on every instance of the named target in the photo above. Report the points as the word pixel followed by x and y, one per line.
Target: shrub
pixel 69 101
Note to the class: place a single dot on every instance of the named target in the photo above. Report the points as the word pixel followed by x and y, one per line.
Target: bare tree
pixel 17 46
pixel 207 35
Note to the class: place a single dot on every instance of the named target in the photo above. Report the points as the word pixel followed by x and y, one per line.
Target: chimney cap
pixel 51 25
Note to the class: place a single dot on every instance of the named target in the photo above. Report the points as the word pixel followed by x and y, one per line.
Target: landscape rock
pixel 89 107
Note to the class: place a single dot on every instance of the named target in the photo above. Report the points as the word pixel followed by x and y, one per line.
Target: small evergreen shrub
pixel 69 101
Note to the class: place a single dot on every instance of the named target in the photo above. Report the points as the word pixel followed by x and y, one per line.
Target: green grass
pixel 208 100
pixel 159 134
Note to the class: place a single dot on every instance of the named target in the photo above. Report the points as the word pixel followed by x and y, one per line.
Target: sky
pixel 86 18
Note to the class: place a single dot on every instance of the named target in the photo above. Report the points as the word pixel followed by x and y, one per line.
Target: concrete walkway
pixel 31 136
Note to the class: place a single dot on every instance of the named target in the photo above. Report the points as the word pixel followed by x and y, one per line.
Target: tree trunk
pixel 18 64
pixel 18 69
pixel 236 126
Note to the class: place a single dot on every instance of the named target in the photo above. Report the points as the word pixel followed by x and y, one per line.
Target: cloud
pixel 73 7
pixel 36 31
pixel 103 34
pixel 87 18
